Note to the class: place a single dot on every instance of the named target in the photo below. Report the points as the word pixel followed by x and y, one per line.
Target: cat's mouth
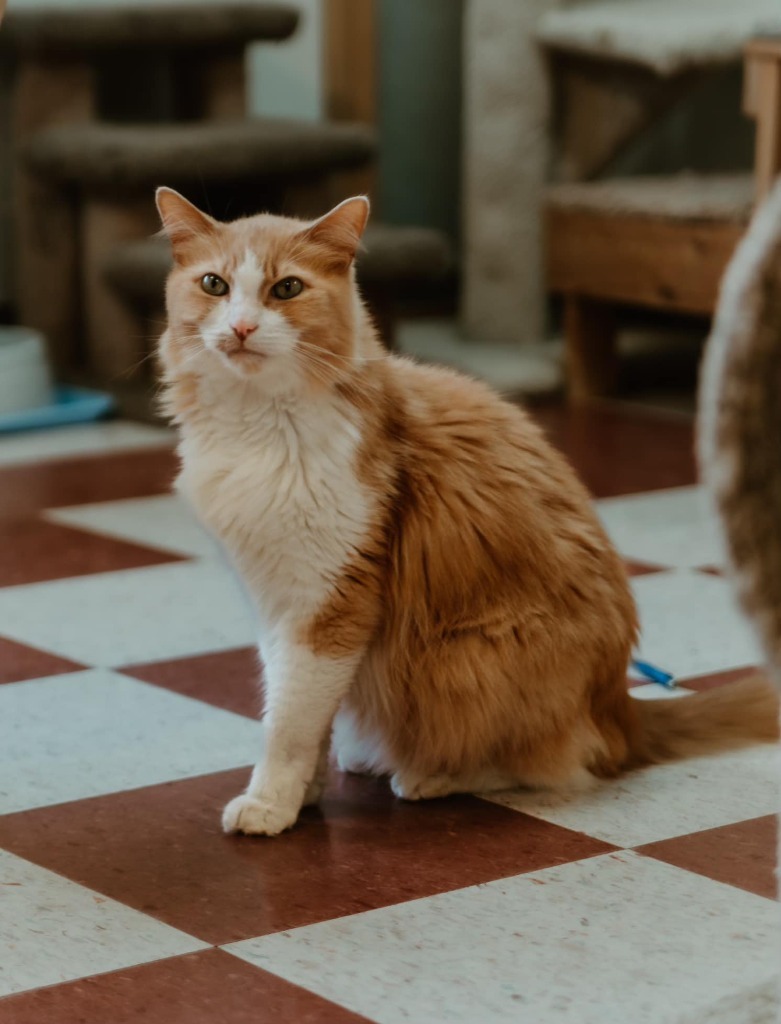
pixel 237 353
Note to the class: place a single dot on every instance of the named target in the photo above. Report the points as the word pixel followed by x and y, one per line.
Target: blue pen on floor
pixel 656 675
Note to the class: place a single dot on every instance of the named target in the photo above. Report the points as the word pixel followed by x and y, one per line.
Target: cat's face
pixel 264 295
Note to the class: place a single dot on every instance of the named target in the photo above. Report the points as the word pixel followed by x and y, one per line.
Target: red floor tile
pixel 642 568
pixel 631 682
pixel 160 850
pixel 743 855
pixel 35 550
pixel 227 679
pixel 211 987
pixel 19 662
pixel 618 451
pixel 27 489
pixel 713 679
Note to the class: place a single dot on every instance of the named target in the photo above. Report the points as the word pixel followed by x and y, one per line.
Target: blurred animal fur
pixel 739 443
pixel 432 586
pixel 739 424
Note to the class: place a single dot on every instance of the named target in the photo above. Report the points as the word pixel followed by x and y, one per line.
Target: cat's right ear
pixel 182 222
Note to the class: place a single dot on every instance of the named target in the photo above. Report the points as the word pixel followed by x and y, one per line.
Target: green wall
pixel 420 112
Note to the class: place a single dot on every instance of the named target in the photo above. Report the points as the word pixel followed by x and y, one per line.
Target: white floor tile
pixel 164 522
pixel 691 625
pixel 666 800
pixel 655 691
pixel 117 618
pixel 88 733
pixel 92 439
pixel 53 930
pixel 604 941
pixel 674 528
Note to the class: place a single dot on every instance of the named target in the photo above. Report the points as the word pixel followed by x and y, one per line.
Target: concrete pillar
pixel 506 156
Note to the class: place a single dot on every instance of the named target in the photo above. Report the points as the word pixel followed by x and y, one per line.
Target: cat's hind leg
pixel 411 785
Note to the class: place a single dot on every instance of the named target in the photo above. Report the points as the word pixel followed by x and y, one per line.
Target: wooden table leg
pixel 762 101
pixel 591 356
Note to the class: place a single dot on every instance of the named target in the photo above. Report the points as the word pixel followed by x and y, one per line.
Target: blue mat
pixel 70 405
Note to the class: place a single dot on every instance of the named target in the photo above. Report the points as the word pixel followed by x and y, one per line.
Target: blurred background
pixel 556 188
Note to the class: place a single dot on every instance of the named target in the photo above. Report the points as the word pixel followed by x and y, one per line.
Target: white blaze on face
pixel 274 335
pixel 244 301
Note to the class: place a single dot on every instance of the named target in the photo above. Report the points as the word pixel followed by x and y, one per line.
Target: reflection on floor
pixel 127 711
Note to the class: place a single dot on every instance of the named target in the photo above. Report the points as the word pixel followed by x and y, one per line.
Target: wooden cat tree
pixel 108 103
pixel 663 242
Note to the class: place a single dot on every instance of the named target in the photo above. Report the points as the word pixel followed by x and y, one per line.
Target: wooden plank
pixel 350 60
pixel 767 111
pixel 591 355
pixel 350 63
pixel 645 261
pixel 7 256
pixel 762 101
pixel 751 85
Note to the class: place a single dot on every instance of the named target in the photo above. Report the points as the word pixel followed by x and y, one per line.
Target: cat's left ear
pixel 340 230
pixel 182 222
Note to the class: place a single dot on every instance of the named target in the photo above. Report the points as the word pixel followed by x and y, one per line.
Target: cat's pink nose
pixel 242 329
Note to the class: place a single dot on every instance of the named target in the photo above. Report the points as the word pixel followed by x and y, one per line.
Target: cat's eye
pixel 214 285
pixel 288 288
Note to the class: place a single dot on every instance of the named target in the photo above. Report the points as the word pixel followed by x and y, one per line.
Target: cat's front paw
pixel 256 817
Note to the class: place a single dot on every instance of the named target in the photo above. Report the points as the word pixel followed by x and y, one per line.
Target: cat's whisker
pixel 352 359
pixel 318 370
pixel 130 370
pixel 312 360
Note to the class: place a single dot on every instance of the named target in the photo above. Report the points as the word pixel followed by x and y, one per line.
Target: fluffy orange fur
pixel 489 616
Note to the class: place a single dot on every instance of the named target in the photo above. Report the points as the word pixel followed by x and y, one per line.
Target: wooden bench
pixel 660 243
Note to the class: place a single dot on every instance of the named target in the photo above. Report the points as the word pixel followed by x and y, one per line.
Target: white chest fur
pixel 276 483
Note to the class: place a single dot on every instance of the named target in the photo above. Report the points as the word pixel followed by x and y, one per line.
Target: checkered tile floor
pixel 127 712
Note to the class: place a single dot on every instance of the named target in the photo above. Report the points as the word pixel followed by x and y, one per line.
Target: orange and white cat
pixel 435 596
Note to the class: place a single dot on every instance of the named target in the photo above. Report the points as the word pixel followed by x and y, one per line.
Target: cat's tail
pixel 730 716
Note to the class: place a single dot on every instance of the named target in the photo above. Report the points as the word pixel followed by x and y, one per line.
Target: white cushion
pixel 664 35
